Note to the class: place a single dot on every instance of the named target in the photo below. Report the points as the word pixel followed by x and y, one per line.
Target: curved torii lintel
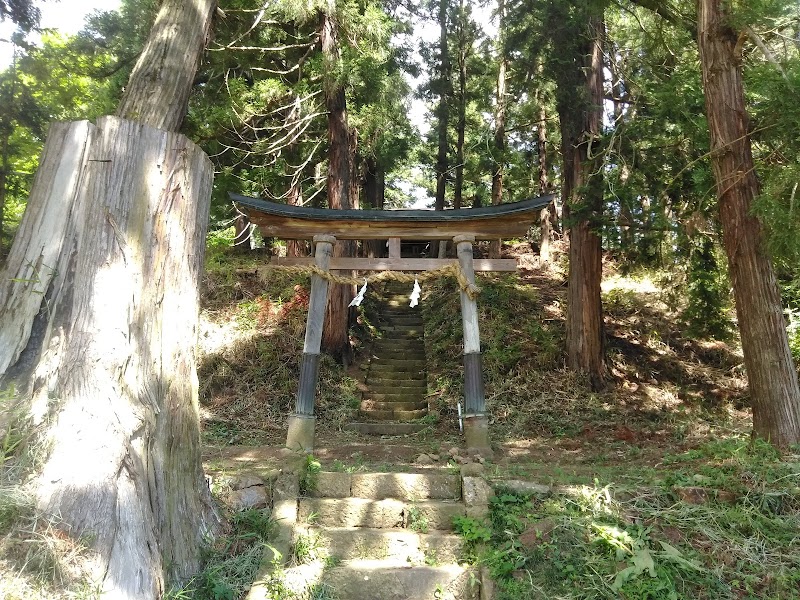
pixel 299 222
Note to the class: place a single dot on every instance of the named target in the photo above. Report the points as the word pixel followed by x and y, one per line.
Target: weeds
pixel 251 345
pixel 232 561
pixel 647 543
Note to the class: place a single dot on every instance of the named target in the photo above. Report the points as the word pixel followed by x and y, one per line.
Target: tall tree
pixel 335 340
pixel 21 12
pixel 465 33
pixel 499 118
pixel 99 306
pixel 577 68
pixel 771 374
pixel 442 112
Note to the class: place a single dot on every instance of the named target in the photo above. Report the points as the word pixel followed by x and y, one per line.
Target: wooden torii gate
pixel 324 227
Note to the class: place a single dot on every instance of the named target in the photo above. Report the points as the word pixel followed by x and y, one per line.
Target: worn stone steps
pixel 403 545
pixel 379 486
pixel 369 536
pixel 372 580
pixel 396 382
pixel 395 414
pixel 370 404
pixel 379 514
pixel 392 395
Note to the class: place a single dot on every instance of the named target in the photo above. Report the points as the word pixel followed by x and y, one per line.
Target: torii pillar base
pixel 300 433
pixel 476 435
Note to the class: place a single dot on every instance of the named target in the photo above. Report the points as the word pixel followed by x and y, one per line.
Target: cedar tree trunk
pixel 499 123
pixel 335 340
pixel 442 116
pixel 583 197
pixel 771 373
pixel 99 307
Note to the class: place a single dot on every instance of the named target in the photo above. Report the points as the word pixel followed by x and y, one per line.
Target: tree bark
pixel 335 340
pixel 374 194
pixel 295 193
pixel 771 374
pixel 499 121
pixel 159 86
pixel 442 116
pixel 548 218
pixel 464 47
pixel 582 191
pixel 99 307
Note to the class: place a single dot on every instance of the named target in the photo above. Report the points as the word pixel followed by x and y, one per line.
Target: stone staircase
pixel 387 536
pixel 396 382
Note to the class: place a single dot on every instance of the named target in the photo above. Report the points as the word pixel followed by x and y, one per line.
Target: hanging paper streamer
pixel 359 296
pixel 415 294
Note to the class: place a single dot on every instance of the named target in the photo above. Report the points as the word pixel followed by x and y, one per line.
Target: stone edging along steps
pixel 371 536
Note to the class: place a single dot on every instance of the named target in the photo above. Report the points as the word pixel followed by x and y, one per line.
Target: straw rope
pixel 453 270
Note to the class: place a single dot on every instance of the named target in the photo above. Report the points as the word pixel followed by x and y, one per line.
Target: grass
pixel 232 561
pixel 251 344
pixel 645 542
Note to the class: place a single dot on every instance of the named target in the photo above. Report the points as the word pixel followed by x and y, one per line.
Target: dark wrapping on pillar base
pixel 304 403
pixel 474 397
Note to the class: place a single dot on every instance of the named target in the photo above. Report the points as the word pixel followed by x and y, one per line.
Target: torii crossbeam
pixel 324 227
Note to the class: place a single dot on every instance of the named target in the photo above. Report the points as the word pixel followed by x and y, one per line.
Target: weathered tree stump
pixel 100 310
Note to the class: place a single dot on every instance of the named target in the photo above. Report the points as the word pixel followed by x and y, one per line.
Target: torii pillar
pixel 300 426
pixel 476 420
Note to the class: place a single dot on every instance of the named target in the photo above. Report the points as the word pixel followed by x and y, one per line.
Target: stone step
pixel 396 374
pixel 393 415
pixel 397 366
pixel 400 335
pixel 399 385
pixel 404 545
pixel 375 579
pixel 392 396
pixel 381 486
pixel 386 428
pixel 414 347
pixel 369 404
pixel 400 317
pixel 399 359
pixel 422 516
pixel 408 329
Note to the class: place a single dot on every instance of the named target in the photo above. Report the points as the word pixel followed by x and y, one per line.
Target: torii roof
pixel 285 221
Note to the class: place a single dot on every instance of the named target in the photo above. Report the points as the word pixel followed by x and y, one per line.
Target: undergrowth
pixel 647 542
pixel 232 561
pixel 251 346
pixel 38 560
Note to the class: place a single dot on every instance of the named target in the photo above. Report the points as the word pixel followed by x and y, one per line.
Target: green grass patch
pixel 648 541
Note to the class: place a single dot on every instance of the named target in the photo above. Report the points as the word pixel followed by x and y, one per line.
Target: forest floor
pixel 666 392
pixel 677 501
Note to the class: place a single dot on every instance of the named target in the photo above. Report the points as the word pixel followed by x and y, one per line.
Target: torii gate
pixel 324 227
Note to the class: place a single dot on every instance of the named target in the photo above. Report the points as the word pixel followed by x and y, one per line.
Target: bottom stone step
pixel 386 428
pixel 393 415
pixel 375 579
pixel 403 545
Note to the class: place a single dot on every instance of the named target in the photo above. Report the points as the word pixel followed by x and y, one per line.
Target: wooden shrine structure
pixel 464 227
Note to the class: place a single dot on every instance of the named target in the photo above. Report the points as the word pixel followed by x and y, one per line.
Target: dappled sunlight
pixel 638 285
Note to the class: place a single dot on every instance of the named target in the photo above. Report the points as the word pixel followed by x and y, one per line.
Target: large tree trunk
pixel 99 307
pixel 499 121
pixel 582 190
pixel 464 47
pixel 159 86
pixel 442 116
pixel 335 340
pixel 771 373
pixel 374 195
pixel 548 218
